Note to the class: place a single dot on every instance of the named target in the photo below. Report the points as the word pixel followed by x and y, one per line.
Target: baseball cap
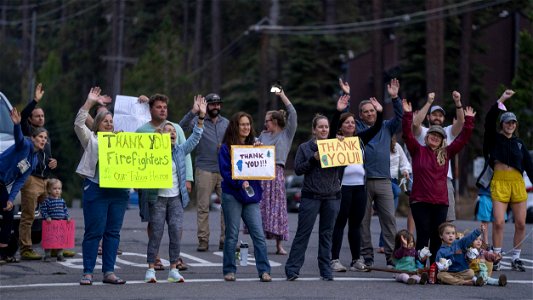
pixel 436 107
pixel 437 129
pixel 508 116
pixel 213 98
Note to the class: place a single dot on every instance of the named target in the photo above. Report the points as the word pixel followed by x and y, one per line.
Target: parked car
pixel 293 189
pixel 6 140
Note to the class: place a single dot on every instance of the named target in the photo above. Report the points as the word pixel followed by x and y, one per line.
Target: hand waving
pixel 469 112
pixel 15 116
pixel 202 105
pixel 39 92
pixel 407 107
pixel 94 93
pixel 376 104
pixel 431 97
pixel 104 100
pixel 343 102
pixel 344 86
pixel 196 103
pixel 393 88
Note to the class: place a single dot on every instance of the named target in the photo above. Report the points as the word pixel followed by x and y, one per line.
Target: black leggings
pixel 7 216
pixel 353 207
pixel 427 218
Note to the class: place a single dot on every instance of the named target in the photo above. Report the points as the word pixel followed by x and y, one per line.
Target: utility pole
pixel 31 73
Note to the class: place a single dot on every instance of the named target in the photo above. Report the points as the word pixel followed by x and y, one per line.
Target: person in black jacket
pixel 509 158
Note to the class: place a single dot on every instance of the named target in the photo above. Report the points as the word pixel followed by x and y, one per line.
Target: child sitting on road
pixel 406 259
pixel 54 208
pixel 451 261
pixel 481 263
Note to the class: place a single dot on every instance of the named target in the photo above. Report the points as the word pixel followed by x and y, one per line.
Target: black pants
pixel 7 216
pixel 427 218
pixel 353 206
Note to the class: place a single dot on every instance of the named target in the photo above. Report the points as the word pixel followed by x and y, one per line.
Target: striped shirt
pixel 55 209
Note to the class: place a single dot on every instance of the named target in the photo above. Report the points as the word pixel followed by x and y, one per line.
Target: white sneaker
pixel 358 266
pixel 175 276
pixel 336 266
pixel 149 276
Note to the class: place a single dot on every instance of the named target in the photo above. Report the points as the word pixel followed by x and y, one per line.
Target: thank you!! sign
pixel 134 160
pixel 336 152
pixel 253 162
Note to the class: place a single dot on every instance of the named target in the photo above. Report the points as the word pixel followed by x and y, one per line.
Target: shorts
pixel 484 212
pixel 508 186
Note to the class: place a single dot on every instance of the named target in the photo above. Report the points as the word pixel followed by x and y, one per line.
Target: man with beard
pixel 207 172
pixel 436 117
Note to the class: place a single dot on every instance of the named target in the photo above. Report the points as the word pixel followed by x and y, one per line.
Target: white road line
pixel 41 285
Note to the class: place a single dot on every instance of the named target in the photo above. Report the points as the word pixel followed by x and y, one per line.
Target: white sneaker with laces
pixel 175 276
pixel 149 276
pixel 336 266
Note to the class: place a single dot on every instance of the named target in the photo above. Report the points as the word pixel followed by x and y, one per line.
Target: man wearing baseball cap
pixel 437 116
pixel 206 171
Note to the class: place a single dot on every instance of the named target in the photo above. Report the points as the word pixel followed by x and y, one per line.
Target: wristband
pixel 458 107
pixel 201 118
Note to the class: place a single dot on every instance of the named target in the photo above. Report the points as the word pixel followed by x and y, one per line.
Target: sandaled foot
pixel 86 279
pixel 229 277
pixel 182 266
pixel 281 251
pixel 158 265
pixel 111 278
pixel 265 277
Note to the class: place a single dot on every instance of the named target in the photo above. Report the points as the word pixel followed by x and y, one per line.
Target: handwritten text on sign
pixel 134 160
pixel 58 234
pixel 334 152
pixel 253 162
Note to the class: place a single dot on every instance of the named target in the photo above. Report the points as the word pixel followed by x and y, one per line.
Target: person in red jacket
pixel 429 196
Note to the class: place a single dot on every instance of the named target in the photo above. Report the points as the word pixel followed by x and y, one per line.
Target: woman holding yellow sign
pixel 354 196
pixel 240 199
pixel 103 208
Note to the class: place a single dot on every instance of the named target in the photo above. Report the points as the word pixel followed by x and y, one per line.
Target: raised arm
pixel 459 113
pixel 187 122
pixel 393 88
pixel 82 130
pixel 412 145
pixel 369 133
pixel 26 112
pixel 292 117
pixel 421 115
pixel 490 122
pixel 463 137
pixel 342 104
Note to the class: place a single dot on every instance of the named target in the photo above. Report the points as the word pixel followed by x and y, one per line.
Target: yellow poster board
pixel 335 153
pixel 134 160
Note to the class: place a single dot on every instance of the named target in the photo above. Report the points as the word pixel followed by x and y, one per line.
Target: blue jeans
pixel 251 215
pixel 103 213
pixel 309 209
pixel 396 193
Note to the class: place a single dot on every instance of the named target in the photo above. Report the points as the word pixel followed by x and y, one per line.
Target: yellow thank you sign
pixel 134 160
pixel 335 153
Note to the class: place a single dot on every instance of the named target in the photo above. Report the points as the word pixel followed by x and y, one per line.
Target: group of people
pixel 340 195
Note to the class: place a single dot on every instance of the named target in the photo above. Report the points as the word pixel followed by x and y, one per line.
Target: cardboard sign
pixel 253 162
pixel 58 234
pixel 134 160
pixel 335 153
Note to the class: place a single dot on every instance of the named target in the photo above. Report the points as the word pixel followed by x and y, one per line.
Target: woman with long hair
pixel 237 203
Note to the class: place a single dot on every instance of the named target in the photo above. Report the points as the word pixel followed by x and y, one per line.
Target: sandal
pixel 111 278
pixel 11 259
pixel 86 279
pixel 158 265
pixel 229 277
pixel 181 265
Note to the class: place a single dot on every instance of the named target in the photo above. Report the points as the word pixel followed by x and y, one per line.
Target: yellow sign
pixel 335 153
pixel 134 160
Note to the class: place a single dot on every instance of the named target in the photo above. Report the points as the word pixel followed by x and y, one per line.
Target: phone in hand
pixel 276 88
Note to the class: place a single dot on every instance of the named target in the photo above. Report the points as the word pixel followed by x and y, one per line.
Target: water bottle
pixel 250 191
pixel 244 254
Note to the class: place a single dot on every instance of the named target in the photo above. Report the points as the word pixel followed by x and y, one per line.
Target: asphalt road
pixel 203 280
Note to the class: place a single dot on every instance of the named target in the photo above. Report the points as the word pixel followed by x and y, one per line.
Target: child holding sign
pixel 169 204
pixel 54 208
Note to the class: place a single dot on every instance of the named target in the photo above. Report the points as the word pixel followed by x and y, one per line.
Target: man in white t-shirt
pixel 437 116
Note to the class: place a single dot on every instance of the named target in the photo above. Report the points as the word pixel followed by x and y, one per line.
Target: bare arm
pixel 421 115
pixel 460 121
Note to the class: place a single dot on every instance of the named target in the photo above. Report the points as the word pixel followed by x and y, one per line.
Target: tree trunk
pixel 435 51
pixel 273 61
pixel 464 89
pixel 26 41
pixel 377 51
pixel 330 9
pixel 197 44
pixel 215 46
